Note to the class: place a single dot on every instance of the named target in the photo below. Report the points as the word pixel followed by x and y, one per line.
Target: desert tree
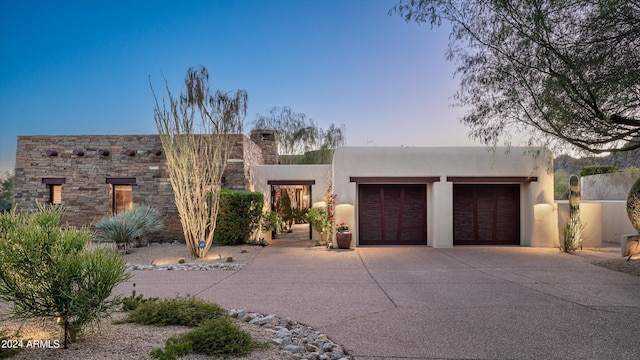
pixel 568 70
pixel 330 139
pixel 6 190
pixel 298 134
pixel 195 129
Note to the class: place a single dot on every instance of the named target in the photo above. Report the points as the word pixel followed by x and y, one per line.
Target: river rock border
pixel 295 341
pixel 187 267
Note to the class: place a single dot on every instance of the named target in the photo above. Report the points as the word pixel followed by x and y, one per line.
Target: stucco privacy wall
pixel 605 221
pixel 262 174
pixel 538 228
pixel 86 196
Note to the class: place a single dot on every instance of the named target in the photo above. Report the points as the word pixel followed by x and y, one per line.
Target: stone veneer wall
pixel 86 195
pixel 243 152
pixel 269 146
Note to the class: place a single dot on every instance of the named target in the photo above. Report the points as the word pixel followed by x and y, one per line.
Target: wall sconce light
pixel 52 152
pixel 78 152
pixel 156 152
pixel 130 152
pixel 103 152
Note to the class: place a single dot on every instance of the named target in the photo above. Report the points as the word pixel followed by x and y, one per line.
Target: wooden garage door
pixel 392 214
pixel 486 214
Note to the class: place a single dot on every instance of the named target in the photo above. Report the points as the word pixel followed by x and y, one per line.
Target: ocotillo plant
pixel 572 231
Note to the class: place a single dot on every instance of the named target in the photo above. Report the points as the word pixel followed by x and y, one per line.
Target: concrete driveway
pixel 425 303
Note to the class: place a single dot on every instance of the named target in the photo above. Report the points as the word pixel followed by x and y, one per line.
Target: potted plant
pixel 343 236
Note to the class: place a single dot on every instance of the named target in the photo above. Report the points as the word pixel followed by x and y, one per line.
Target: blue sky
pixel 83 67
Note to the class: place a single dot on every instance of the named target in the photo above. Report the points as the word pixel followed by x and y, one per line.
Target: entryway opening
pixel 290 202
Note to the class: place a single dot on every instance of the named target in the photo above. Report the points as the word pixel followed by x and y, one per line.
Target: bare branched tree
pixel 568 71
pixel 194 129
pixel 298 134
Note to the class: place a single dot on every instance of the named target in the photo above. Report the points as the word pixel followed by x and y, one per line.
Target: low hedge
pixel 598 169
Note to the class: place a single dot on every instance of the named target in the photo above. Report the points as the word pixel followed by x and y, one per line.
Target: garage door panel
pixel 396 214
pixel 486 214
pixel 414 215
pixel 370 211
pixel 392 210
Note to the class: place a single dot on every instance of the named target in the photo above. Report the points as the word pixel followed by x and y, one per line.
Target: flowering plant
pixel 342 227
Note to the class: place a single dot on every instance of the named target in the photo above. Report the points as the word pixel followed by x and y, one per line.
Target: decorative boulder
pixel 633 205
pixel 633 246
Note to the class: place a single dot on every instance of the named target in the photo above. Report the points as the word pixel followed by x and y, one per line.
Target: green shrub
pixel 597 169
pixel 633 205
pixel 561 185
pixel 48 272
pixel 300 215
pixel 286 211
pixel 173 349
pixel 7 351
pixel 125 227
pixel 318 217
pixel 215 337
pixel 271 222
pixel 184 311
pixel 132 301
pixel 239 216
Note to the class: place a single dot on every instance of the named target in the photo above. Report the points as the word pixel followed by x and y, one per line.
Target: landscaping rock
pixel 187 267
pixel 633 246
pixel 296 341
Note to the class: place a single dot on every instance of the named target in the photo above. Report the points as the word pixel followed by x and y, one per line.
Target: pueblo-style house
pixel 433 196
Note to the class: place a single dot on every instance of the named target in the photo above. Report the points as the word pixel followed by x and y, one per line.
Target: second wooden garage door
pixel 486 214
pixel 392 214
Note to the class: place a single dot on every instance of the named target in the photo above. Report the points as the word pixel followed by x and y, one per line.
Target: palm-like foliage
pixel 125 227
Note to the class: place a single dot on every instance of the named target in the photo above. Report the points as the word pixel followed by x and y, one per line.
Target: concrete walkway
pixel 424 303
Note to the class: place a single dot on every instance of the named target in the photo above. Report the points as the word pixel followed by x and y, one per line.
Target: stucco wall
pixel 605 220
pixel 455 162
pixel 615 186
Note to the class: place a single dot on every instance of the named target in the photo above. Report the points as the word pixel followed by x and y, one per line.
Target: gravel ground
pixel 159 254
pixel 132 341
pixel 631 266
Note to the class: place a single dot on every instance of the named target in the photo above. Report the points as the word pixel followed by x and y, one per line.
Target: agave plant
pixel 125 227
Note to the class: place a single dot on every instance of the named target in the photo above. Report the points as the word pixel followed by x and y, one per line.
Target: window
pixel 122 198
pixel 55 194
pixel 54 185
pixel 121 194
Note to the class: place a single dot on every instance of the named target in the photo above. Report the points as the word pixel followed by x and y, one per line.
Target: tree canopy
pixel 568 69
pixel 298 134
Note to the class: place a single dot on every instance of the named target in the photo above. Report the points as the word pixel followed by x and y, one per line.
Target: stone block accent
pixel 267 140
pixel 83 162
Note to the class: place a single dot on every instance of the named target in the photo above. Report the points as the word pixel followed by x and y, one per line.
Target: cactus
pixel 572 232
pixel 633 205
